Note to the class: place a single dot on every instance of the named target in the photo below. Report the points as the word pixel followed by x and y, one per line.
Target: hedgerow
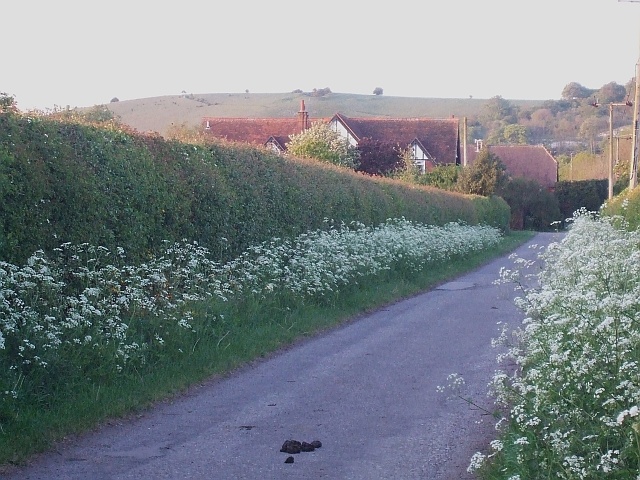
pixel 63 181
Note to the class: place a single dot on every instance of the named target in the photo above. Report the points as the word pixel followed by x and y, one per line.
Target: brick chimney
pixel 303 116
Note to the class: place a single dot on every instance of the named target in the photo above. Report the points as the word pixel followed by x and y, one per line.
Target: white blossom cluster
pixel 573 388
pixel 320 262
pixel 87 307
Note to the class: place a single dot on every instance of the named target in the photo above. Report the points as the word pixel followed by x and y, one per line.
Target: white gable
pixel 420 156
pixel 337 126
pixel 418 153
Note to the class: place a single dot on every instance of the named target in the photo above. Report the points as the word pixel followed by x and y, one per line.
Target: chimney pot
pixel 304 117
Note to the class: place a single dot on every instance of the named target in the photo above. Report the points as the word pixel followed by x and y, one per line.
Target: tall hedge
pixel 589 194
pixel 106 185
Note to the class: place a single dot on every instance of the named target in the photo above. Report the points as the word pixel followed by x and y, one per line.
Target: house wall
pixel 420 157
pixel 337 126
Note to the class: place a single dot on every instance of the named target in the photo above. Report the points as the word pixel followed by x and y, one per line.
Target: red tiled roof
pixel 256 131
pixel 438 136
pixel 533 162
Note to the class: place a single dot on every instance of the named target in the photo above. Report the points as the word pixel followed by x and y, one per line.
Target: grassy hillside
pixel 159 113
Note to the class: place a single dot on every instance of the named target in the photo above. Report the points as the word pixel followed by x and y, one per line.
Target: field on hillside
pixel 159 113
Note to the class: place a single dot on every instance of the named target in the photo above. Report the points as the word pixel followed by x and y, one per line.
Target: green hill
pixel 159 113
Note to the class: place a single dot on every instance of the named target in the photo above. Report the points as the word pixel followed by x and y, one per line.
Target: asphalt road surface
pixel 367 391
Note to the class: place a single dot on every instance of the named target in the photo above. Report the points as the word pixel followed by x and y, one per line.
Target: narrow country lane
pixel 367 391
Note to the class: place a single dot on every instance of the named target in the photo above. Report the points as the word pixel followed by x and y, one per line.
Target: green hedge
pixel 589 194
pixel 105 185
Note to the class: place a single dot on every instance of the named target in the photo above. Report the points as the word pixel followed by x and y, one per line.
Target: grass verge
pixel 257 331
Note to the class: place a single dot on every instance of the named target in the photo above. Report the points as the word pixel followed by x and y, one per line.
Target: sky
pixel 78 53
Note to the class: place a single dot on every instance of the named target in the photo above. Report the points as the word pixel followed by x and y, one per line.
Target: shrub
pixel 442 176
pixel 588 194
pixel 322 143
pixel 485 176
pixel 532 206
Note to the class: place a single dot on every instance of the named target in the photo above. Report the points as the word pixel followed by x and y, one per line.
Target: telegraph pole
pixel 635 123
pixel 611 105
pixel 633 167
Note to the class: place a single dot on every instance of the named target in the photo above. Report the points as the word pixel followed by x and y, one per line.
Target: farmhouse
pixel 431 141
pixel 533 162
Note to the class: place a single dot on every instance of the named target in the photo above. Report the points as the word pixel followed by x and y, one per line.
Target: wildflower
pixel 477 460
pixel 521 441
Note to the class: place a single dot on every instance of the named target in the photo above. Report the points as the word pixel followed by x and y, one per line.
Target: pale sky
pixel 85 52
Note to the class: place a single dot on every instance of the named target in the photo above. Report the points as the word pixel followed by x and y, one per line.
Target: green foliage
pixel 575 90
pixel 485 176
pixel 532 206
pixel 570 410
pixel 492 211
pixel 582 166
pixel 409 172
pixel 320 142
pixel 320 92
pixel 444 177
pixel 588 194
pixel 96 115
pixel 510 134
pixel 626 205
pixel 183 336
pixel 136 191
pixel 7 102
pixel 611 92
pixel 500 109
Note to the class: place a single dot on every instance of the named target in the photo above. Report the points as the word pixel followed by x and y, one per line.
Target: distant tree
pixel 321 92
pixel 611 92
pixel 246 91
pixel 7 103
pixel 297 90
pixel 539 125
pixel 475 129
pixel 590 128
pixel 575 90
pixel 115 99
pixel 630 88
pixel 485 176
pixel 510 134
pixel 558 106
pixel 322 143
pixel 499 109
pixel 379 158
pixel 377 91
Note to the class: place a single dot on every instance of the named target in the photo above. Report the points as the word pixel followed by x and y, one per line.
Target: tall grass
pixel 85 335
